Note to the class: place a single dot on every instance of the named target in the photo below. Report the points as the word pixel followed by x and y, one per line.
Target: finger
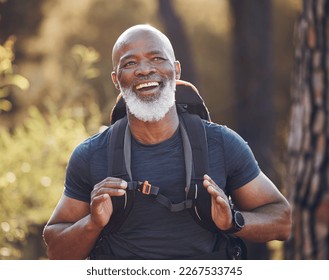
pixel 97 201
pixel 216 192
pixel 207 182
pixel 110 192
pixel 105 189
pixel 222 202
pixel 115 184
pixel 212 183
pixel 116 180
pixel 112 182
pixel 101 210
pixel 211 187
pixel 211 190
pixel 217 198
pixel 208 178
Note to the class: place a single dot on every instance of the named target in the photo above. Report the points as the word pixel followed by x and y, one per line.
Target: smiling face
pixel 145 71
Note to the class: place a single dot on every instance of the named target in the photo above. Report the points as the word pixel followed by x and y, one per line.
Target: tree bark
pixel 253 86
pixel 253 77
pixel 307 151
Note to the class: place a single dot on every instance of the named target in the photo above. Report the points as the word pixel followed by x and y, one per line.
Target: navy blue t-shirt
pixel 151 231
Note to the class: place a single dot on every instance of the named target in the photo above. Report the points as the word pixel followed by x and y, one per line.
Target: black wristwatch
pixel 237 221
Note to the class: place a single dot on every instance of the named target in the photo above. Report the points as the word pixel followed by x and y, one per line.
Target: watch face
pixel 239 220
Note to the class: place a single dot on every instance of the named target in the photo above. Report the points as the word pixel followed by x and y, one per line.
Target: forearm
pixel 71 240
pixel 266 223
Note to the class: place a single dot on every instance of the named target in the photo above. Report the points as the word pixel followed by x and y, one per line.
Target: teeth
pixel 150 84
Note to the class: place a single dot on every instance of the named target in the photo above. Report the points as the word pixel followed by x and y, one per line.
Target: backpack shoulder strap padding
pixel 117 167
pixel 201 208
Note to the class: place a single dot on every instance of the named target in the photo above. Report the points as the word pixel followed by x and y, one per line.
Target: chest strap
pixel 146 188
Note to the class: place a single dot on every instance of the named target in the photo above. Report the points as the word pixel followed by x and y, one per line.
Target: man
pixel 145 71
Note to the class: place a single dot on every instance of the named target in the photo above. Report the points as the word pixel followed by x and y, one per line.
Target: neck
pixel 154 132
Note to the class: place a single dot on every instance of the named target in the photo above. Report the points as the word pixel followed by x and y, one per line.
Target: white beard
pixel 150 110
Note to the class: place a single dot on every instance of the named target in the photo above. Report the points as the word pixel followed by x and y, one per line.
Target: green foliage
pixel 7 76
pixel 33 161
pixel 85 58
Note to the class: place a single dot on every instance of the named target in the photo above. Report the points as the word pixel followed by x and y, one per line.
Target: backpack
pixel 191 110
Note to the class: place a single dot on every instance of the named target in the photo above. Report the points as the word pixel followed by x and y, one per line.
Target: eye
pixel 129 64
pixel 158 59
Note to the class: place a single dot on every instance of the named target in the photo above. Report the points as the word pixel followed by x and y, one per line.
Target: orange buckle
pixel 146 189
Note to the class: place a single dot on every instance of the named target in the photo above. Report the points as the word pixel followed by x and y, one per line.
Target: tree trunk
pixel 253 77
pixel 307 155
pixel 177 35
pixel 253 86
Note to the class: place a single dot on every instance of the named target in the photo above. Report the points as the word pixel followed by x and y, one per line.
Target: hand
pixel 101 207
pixel 220 207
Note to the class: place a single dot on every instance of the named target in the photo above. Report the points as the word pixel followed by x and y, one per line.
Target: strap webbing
pixel 196 136
pixel 187 156
pixel 116 148
pixel 174 207
pixel 165 201
pixel 127 151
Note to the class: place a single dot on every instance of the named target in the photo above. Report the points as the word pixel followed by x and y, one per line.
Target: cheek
pixel 169 72
pixel 124 78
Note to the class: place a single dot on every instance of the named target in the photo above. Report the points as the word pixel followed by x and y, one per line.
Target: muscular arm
pixel 70 232
pixel 75 225
pixel 266 212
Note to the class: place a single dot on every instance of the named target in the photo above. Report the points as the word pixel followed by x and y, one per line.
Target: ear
pixel 115 80
pixel 177 69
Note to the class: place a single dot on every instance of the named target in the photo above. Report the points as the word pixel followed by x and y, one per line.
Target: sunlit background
pixel 55 89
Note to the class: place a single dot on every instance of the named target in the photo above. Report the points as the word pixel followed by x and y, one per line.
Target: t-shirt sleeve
pixel 77 181
pixel 241 165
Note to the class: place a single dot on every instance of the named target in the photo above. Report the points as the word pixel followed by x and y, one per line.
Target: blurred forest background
pixel 55 89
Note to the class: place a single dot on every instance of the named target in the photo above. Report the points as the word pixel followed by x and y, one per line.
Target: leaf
pixel 5 105
pixel 19 81
pixel 92 73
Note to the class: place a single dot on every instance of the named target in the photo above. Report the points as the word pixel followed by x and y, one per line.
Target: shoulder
pixel 83 169
pixel 94 144
pixel 221 133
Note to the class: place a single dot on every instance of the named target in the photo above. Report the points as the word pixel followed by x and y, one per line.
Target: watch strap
pixel 236 226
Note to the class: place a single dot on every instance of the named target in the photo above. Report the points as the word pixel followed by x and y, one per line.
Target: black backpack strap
pixel 233 247
pixel 117 167
pixel 187 155
pixel 118 155
pixel 197 137
pixel 201 208
pixel 115 150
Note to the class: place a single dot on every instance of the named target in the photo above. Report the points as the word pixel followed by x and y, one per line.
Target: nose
pixel 144 68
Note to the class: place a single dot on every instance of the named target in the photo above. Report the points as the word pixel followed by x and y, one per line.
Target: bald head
pixel 137 33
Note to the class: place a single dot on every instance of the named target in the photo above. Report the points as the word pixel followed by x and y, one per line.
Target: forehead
pixel 141 42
